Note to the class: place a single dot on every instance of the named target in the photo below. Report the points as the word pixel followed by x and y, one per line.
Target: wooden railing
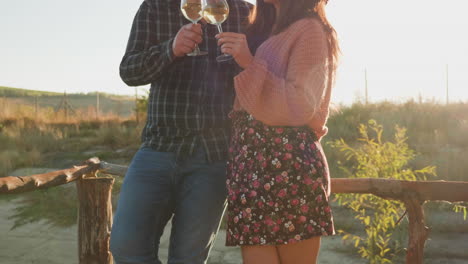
pixel 95 208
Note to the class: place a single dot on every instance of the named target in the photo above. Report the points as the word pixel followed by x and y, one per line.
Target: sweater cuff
pixel 250 82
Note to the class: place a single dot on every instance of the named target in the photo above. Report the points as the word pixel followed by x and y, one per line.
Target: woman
pixel 278 178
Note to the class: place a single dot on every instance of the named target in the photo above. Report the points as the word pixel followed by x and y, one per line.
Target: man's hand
pixel 186 39
pixel 235 44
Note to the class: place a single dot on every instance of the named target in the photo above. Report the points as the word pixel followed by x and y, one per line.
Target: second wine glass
pixel 216 12
pixel 192 10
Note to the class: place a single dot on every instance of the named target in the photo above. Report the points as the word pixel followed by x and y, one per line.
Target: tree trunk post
pixel 418 231
pixel 94 220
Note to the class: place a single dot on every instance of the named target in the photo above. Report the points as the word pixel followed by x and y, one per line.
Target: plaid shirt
pixel 190 97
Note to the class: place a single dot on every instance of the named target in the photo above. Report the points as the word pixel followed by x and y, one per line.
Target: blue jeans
pixel 156 188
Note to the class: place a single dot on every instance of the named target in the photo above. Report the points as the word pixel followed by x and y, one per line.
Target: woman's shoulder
pixel 305 31
pixel 309 25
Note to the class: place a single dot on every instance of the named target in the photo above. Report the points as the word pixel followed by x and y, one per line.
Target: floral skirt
pixel 278 183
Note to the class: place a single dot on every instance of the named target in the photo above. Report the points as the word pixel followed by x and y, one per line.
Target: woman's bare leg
pixel 260 255
pixel 304 252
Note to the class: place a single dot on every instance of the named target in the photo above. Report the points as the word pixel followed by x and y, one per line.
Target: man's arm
pixel 147 56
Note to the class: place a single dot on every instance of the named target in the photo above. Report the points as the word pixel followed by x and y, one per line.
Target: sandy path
pixel 37 243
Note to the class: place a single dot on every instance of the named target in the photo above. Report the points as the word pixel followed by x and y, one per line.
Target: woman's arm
pixel 292 100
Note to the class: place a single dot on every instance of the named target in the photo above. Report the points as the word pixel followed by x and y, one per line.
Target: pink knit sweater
pixel 286 85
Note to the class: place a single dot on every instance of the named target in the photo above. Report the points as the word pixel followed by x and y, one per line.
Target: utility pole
pixel 4 104
pixel 136 106
pixel 36 108
pixel 447 83
pixel 366 91
pixel 447 168
pixel 65 105
pixel 97 105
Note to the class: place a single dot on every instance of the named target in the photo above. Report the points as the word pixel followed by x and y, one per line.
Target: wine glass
pixel 192 10
pixel 216 12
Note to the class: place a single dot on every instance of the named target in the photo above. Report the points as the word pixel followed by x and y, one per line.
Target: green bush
pixel 438 133
pixel 375 158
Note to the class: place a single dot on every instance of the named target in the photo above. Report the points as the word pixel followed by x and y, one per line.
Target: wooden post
pixel 94 220
pixel 418 231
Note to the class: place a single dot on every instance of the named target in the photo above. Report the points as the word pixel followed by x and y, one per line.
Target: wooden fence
pixel 95 208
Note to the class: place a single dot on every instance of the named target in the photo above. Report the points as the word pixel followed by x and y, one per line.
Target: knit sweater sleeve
pixel 291 100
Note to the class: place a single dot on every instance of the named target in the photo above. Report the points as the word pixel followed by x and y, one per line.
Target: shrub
pixel 375 158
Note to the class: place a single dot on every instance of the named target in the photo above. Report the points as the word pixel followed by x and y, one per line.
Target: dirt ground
pixel 38 243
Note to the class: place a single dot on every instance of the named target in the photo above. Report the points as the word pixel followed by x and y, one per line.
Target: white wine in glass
pixel 192 10
pixel 216 12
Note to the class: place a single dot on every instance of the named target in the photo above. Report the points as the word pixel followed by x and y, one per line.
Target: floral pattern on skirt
pixel 278 184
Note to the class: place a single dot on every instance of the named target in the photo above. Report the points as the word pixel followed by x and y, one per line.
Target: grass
pixel 51 140
pixel 13 99
pixel 32 146
pixel 17 92
pixel 46 204
pixel 30 140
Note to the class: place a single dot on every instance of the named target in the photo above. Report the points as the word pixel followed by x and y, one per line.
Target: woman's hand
pixel 235 44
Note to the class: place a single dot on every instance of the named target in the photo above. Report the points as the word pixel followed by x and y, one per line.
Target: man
pixel 179 171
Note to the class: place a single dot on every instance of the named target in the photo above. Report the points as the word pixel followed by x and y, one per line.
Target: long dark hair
pixel 263 17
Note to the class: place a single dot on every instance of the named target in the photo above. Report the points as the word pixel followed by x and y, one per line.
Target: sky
pixel 405 46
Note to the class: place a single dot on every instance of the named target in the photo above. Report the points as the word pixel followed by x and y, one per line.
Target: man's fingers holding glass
pixel 186 39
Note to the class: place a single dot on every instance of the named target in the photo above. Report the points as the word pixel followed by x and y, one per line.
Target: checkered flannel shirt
pixel 190 97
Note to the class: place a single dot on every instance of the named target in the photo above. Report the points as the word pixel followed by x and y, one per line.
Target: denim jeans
pixel 158 187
